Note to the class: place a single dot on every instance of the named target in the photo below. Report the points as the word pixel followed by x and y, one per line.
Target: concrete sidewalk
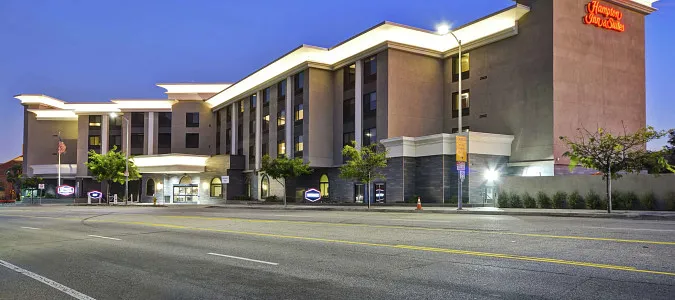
pixel 583 213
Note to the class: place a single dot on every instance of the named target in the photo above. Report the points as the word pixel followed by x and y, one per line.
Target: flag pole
pixel 58 182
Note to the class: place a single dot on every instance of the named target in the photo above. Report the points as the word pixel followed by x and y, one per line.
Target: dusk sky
pixel 79 50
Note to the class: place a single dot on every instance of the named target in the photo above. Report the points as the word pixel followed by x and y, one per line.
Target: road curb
pixel 630 216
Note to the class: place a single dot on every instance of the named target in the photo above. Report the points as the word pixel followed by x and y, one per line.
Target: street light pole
pixel 126 165
pixel 445 29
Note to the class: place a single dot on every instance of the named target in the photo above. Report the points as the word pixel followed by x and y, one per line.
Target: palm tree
pixel 14 178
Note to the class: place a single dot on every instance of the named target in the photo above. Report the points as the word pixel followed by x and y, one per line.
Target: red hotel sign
pixel 604 16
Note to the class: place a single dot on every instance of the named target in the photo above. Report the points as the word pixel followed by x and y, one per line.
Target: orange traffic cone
pixel 419 204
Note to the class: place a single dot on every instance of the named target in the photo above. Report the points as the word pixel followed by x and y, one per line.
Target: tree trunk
pixel 609 194
pixel 285 191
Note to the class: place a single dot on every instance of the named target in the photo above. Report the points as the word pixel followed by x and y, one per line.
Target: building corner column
pixel 105 127
pixel 151 133
pixel 258 130
pixel 358 104
pixel 233 130
pixel 290 117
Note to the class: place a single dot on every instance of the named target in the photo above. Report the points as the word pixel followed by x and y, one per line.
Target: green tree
pixel 282 168
pixel 670 149
pixel 110 168
pixel 364 165
pixel 611 154
pixel 14 178
pixel 30 183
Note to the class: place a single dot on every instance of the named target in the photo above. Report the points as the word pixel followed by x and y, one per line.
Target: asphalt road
pixel 213 253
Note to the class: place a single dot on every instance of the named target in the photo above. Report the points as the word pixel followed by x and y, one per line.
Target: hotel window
pixel 115 142
pixel 299 113
pixel 150 187
pixel 192 140
pixel 465 104
pixel 253 102
pixel 115 123
pixel 299 147
pixel 370 136
pixel 266 123
pixel 370 104
pixel 266 97
pixel 241 107
pixel 228 138
pixel 137 119
pixel 281 89
pixel 265 149
pixel 465 67
pixel 323 186
pixel 348 138
pixel 464 129
pixel 299 82
pixel 251 154
pixel 216 188
pixel 348 111
pixel 192 119
pixel 95 122
pixel 228 115
pixel 164 119
pixel 265 186
pixel 380 192
pixel 251 129
pixel 163 143
pixel 370 69
pixel 350 77
pixel 281 148
pixel 137 140
pixel 281 119
pixel 94 141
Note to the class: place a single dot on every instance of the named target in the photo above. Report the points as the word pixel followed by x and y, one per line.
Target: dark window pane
pixel 370 69
pixel 370 104
pixel 350 77
pixel 299 82
pixel 348 111
pixel 137 119
pixel 369 136
pixel 192 140
pixel 253 101
pixel 164 119
pixel 266 96
pixel 192 119
pixel 281 89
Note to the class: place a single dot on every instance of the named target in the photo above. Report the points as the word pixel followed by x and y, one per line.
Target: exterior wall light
pixel 491 175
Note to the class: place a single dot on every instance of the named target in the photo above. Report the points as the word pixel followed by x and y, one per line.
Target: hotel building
pixel 530 73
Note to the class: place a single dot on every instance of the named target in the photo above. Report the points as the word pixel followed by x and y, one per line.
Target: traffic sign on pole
pixel 460 148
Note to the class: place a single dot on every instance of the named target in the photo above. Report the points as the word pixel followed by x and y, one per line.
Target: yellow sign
pixel 460 148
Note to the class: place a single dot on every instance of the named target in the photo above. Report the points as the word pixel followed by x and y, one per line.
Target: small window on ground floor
pixel 216 188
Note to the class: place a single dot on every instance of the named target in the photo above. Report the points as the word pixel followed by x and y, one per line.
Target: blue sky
pixel 78 50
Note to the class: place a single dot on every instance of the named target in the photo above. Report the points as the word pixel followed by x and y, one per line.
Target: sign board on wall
pixel 604 16
pixel 65 190
pixel 41 186
pixel 312 195
pixel 225 179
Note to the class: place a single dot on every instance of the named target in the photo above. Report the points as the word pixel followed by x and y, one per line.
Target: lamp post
pixel 126 155
pixel 444 29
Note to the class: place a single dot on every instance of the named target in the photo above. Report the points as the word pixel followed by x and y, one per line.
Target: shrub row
pixel 620 201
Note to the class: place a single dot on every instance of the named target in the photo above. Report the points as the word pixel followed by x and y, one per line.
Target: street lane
pixel 152 262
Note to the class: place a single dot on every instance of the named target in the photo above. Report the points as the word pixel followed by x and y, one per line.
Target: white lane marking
pixel 104 237
pixel 33 228
pixel 247 259
pixel 638 229
pixel 440 221
pixel 47 281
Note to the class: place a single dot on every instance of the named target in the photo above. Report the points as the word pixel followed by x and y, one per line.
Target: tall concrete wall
pixel 661 186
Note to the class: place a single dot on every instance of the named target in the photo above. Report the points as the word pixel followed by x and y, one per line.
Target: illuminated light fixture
pixel 143 104
pixel 193 88
pixel 491 175
pixel 113 115
pixel 443 28
pixel 160 186
pixel 53 114
pixel 170 160
pixel 205 185
pixel 503 22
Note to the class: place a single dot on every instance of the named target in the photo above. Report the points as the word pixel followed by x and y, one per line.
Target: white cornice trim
pixel 386 32
pixel 444 144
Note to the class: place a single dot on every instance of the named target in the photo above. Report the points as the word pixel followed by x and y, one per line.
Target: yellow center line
pixel 428 229
pixel 407 247
pixel 403 247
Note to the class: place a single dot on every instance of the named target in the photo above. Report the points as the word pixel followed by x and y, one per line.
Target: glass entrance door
pixel 359 192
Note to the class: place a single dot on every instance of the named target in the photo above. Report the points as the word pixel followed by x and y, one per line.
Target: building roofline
pixel 381 33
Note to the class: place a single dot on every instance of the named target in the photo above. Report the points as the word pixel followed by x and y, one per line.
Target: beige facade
pixel 533 71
